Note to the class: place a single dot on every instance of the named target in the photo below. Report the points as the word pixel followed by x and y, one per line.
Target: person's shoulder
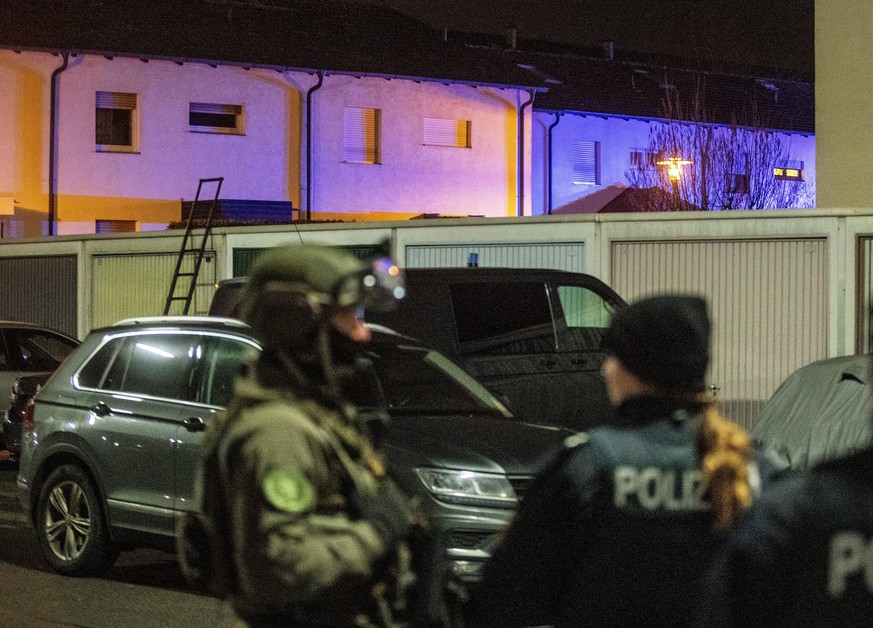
pixel 557 459
pixel 270 415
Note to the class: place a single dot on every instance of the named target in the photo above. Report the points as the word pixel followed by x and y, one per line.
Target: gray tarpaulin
pixel 821 411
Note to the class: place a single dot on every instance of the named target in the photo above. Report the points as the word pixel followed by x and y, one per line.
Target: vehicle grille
pixel 520 485
pixel 470 539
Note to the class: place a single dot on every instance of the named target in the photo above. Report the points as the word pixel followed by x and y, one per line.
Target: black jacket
pixel 613 532
pixel 804 557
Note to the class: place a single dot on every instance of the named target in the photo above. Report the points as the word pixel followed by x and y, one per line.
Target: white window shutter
pixel 586 163
pixel 116 100
pixel 361 135
pixel 442 132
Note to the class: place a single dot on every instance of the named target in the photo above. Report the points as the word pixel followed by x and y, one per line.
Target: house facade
pixel 590 152
pixel 378 148
pixel 338 111
pixel 746 137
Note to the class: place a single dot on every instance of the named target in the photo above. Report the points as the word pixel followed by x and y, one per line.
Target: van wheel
pixel 71 529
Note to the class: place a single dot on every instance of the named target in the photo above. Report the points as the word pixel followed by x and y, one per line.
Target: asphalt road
pixel 144 588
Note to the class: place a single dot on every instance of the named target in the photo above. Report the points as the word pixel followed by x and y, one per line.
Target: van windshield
pixel 411 379
pixel 503 318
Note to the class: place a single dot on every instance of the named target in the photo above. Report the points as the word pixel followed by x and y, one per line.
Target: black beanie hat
pixel 663 340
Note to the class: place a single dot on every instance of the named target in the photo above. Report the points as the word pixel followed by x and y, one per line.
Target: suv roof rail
pixel 181 320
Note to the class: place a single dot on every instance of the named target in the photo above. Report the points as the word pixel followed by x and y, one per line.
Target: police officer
pixel 311 519
pixel 804 557
pixel 619 528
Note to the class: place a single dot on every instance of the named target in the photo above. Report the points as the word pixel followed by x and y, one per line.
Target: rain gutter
pixel 520 186
pixel 53 132
pixel 309 93
pixel 549 162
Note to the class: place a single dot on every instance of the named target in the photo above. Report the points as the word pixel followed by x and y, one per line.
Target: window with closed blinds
pixel 116 122
pixel 215 118
pixel 442 132
pixel 586 163
pixel 361 135
pixel 114 226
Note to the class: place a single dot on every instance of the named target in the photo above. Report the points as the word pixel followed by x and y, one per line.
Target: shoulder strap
pixel 362 482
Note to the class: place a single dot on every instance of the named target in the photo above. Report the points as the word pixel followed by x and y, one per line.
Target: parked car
pixel 26 351
pixel 21 400
pixel 109 456
pixel 821 411
pixel 531 336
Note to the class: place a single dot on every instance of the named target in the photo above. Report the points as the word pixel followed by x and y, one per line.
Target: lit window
pixel 789 171
pixel 117 122
pixel 215 118
pixel 586 163
pixel 453 133
pixel 361 135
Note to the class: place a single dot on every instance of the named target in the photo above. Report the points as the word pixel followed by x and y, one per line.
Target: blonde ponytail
pixel 725 452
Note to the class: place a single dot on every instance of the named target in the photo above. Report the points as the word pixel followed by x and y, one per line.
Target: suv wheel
pixel 71 529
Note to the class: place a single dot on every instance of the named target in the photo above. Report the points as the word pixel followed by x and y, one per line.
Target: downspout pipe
pixel 558 115
pixel 53 133
pixel 520 187
pixel 309 93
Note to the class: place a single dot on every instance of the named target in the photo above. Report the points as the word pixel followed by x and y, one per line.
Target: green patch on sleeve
pixel 287 489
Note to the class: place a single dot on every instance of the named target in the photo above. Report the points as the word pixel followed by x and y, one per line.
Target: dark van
pixel 531 336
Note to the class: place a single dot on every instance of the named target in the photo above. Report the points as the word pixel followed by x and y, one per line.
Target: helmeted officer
pixel 312 520
pixel 620 526
pixel 804 556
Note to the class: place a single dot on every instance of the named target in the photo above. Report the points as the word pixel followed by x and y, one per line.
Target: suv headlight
pixel 469 487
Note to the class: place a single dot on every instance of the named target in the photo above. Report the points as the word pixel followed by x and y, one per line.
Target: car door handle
pixel 547 362
pixel 101 409
pixel 194 424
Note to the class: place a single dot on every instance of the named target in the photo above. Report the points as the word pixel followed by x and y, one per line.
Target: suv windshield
pixel 414 379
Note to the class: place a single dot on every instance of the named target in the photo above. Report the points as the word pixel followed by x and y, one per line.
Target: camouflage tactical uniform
pixel 312 523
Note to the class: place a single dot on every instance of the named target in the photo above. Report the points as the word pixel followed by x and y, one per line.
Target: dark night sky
pixel 753 32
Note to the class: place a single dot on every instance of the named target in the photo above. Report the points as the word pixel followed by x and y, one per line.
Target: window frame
pixel 738 181
pixel 122 101
pixel 362 135
pixel 108 225
pixel 648 159
pixel 784 169
pixel 446 132
pixel 221 109
pixel 580 168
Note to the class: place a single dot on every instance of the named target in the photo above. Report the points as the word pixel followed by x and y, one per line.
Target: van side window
pixel 503 318
pixel 586 315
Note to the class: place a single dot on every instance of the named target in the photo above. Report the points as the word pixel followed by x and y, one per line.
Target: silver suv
pixel 109 455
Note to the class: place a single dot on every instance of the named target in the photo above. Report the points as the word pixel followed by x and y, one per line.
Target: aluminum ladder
pixel 179 291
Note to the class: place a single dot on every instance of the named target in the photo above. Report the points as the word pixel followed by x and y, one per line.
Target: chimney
pixel 511 33
pixel 609 50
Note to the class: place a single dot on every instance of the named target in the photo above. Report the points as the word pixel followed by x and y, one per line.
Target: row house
pixel 307 110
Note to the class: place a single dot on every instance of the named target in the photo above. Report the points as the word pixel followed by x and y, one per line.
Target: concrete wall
pixel 843 102
pixel 785 287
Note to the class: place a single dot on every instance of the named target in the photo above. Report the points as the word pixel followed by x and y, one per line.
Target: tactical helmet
pixel 293 289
